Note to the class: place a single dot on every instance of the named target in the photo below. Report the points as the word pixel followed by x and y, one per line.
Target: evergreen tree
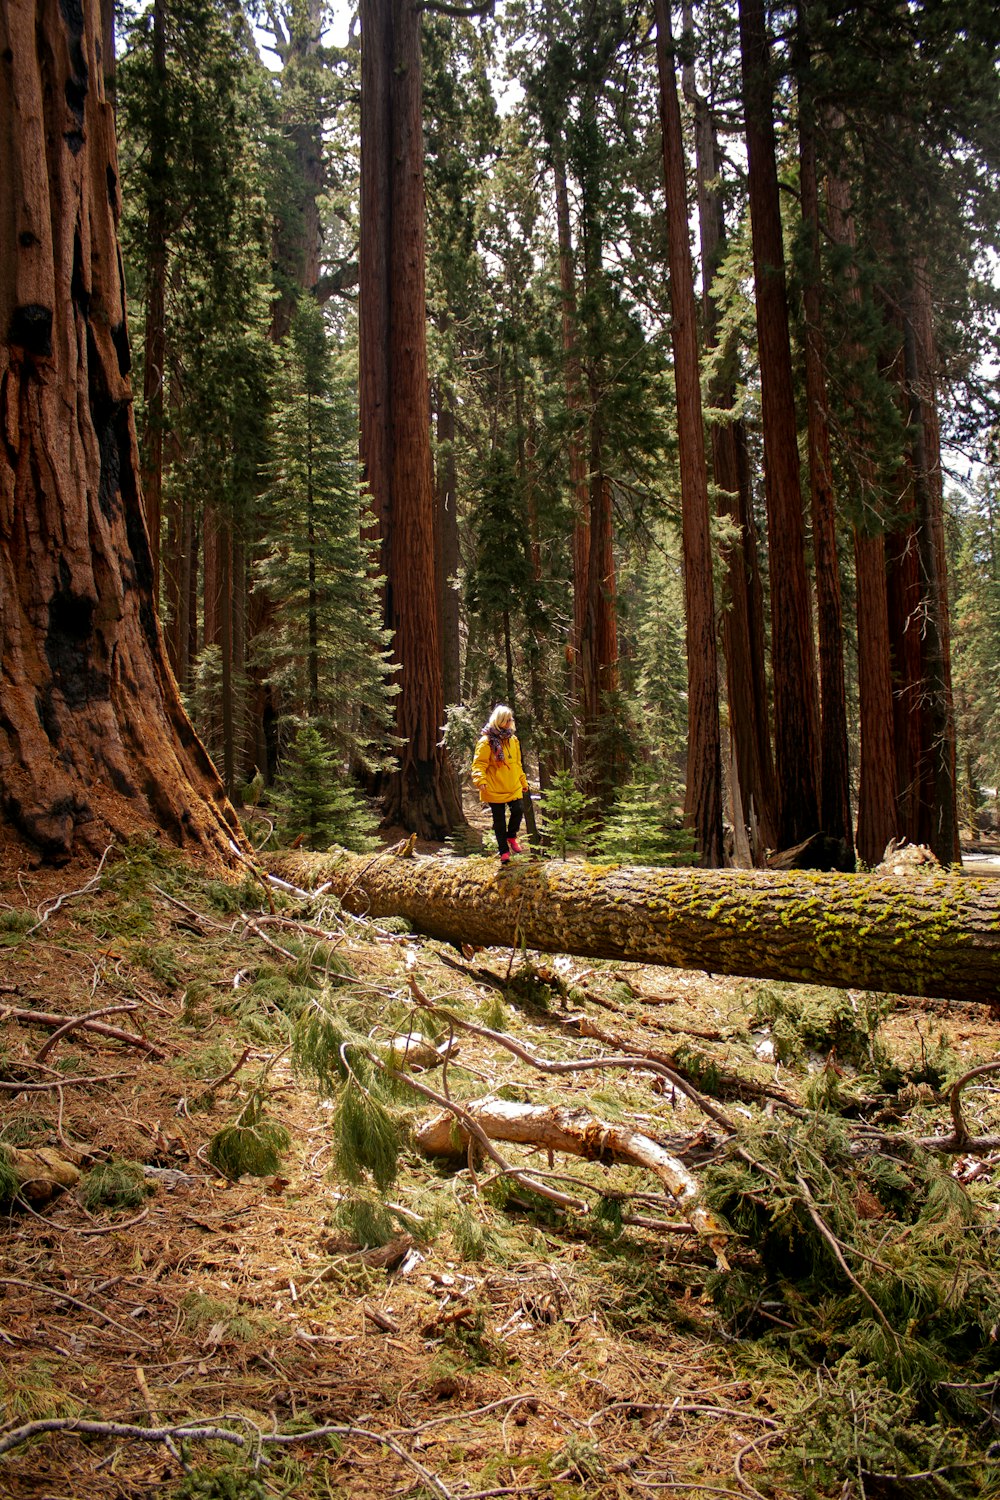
pixel 325 652
pixel 315 803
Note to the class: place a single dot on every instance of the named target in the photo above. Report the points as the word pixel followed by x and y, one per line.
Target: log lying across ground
pixel 936 935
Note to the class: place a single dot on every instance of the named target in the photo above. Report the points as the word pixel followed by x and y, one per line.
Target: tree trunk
pixel 703 801
pixel 793 663
pixel 155 341
pixel 94 741
pixel 446 546
pixel 937 935
pixel 835 797
pixel 939 806
pixel 742 618
pixel 877 784
pixel 422 795
pixel 573 379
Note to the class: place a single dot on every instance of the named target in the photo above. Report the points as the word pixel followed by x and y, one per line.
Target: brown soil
pixel 511 1353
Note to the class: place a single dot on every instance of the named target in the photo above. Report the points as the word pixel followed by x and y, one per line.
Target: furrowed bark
pixel 936 936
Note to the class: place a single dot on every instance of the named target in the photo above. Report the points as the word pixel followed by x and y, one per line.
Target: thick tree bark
pixel 877 785
pixel 742 621
pixel 573 379
pixel 155 339
pixel 93 738
pixel 422 795
pixel 835 797
pixel 793 662
pixel 937 935
pixel 704 760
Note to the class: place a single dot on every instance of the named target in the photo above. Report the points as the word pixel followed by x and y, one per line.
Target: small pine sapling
pixel 637 833
pixel 315 804
pixel 567 812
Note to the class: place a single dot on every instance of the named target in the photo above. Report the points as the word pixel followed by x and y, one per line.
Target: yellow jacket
pixel 502 781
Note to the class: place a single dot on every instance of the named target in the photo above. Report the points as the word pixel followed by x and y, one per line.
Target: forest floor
pixel 462 1335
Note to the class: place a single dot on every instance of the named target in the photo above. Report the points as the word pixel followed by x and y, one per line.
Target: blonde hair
pixel 500 718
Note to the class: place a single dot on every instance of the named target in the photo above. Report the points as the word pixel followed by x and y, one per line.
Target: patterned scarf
pixel 499 739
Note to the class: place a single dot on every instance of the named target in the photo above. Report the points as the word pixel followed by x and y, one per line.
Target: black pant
pixel 503 827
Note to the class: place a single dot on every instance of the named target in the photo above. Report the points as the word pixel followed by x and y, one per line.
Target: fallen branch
pixel 206 1433
pixel 53 1291
pixel 28 1017
pixel 75 1021
pixel 552 1128
pixel 48 910
pixel 627 1060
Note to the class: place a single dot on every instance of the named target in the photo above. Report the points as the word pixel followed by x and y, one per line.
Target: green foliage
pixel 568 814
pixel 206 1062
pixel 26 1128
pixel 636 830
pixel 14 923
pixel 326 652
pixel 367 1135
pixel 839 1023
pixel 227 1482
pixel 10 1186
pixel 906 1306
pixel 115 1184
pixel 365 1218
pixel 252 1146
pixel 314 800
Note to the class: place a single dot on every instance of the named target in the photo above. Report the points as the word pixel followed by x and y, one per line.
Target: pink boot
pixel 514 846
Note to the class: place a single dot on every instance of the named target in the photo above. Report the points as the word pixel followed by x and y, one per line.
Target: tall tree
pixel 793 663
pixel 93 738
pixel 704 765
pixel 395 405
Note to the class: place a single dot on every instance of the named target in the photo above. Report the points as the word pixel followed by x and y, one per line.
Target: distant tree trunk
pixel 579 488
pixel 446 545
pixel 93 739
pixel 939 799
pixel 395 405
pixel 155 344
pixel 298 238
pixel 792 657
pixel 743 636
pixel 704 762
pixel 877 800
pixel 835 797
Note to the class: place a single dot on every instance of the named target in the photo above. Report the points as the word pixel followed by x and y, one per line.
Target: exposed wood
pixel 550 1127
pixel 41 1174
pixel 937 935
pixel 93 736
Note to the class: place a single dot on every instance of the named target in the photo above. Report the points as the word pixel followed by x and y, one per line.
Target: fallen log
pixel 933 936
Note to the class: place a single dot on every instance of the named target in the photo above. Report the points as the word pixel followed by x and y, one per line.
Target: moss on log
pixel 936 935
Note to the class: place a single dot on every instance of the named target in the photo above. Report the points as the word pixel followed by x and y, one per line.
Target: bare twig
pixel 544 1065
pixel 206 1432
pixel 75 1021
pixel 48 910
pixel 52 1291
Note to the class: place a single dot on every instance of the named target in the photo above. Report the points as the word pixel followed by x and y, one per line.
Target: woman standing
pixel 498 773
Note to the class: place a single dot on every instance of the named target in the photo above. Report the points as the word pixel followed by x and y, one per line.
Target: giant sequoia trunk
pixel 704 760
pixel 938 935
pixel 793 665
pixel 395 405
pixel 93 738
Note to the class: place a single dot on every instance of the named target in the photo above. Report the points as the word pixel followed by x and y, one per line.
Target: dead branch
pixel 252 1442
pixel 53 1291
pixel 731 1083
pixel 552 1128
pixel 75 1021
pixel 627 1060
pixel 58 1083
pixel 29 1017
pixel 48 910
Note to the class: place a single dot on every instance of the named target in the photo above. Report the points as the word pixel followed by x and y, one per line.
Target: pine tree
pixel 326 652
pixel 314 799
